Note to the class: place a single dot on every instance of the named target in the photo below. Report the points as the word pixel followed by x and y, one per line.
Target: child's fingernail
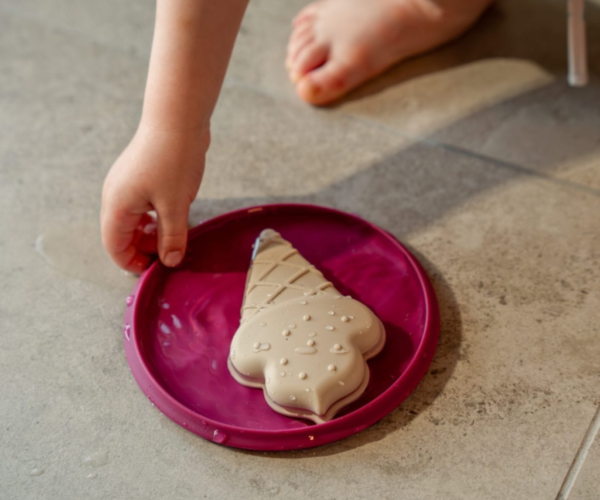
pixel 173 258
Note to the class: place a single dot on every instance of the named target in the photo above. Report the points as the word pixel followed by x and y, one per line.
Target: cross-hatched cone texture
pixel 279 273
pixel 299 339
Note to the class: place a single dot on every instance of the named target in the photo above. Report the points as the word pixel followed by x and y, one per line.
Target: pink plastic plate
pixel 179 324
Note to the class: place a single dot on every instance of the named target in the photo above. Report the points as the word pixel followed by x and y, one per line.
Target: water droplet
pixel 293 398
pixel 310 343
pixel 232 354
pixel 129 300
pixel 305 350
pixel 311 438
pixel 332 368
pixel 282 374
pixel 92 475
pixel 274 490
pixel 331 313
pixel 285 333
pixel 269 294
pixel 166 306
pixel 262 323
pixel 127 331
pixel 291 326
pixel 303 302
pixel 214 365
pixel 330 328
pixel 166 344
pixel 337 296
pixel 97 459
pixel 219 437
pixel 307 389
pixel 338 349
pixel 311 292
pixel 306 317
pixel 283 361
pixel 312 334
pixel 176 321
pixel 350 316
pixel 149 228
pixel 341 383
pixel 264 346
pixel 267 380
pixel 345 319
pixel 165 328
pixel 302 375
pixel 37 471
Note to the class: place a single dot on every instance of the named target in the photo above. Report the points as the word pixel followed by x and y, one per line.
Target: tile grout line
pixel 578 461
pixel 515 167
pixel 485 158
pixel 432 142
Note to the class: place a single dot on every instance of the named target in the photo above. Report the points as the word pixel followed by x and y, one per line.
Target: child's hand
pixel 161 171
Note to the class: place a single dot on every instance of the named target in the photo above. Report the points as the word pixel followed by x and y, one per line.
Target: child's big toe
pixel 326 83
pixel 311 57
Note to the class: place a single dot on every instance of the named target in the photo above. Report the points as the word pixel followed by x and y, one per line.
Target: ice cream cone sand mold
pixel 299 339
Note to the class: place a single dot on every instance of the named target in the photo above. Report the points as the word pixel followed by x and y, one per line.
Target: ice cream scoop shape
pixel 300 340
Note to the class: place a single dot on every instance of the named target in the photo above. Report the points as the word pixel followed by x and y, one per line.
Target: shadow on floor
pixel 432 385
pixel 403 193
pixel 417 186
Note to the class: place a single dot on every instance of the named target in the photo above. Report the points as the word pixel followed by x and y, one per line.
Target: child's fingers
pixel 147 235
pixel 172 232
pixel 148 243
pixel 118 237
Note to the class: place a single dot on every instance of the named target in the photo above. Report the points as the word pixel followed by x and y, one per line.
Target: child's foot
pixel 336 45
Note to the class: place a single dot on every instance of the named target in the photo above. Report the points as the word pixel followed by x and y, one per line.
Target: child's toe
pixel 306 14
pixel 330 81
pixel 309 58
pixel 297 43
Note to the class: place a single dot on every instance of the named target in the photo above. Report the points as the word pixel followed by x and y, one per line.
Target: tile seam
pixel 498 162
pixel 580 456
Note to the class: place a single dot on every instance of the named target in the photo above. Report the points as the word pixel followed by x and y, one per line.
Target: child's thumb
pixel 172 233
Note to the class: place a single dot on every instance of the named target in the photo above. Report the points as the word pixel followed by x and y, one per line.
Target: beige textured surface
pixel 494 188
pixel 299 339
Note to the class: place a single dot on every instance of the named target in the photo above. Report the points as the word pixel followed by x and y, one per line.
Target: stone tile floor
pixel 478 156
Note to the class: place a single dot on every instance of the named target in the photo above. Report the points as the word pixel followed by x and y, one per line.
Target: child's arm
pixel 162 167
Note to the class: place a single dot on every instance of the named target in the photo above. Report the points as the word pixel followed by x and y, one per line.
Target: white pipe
pixel 578 71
